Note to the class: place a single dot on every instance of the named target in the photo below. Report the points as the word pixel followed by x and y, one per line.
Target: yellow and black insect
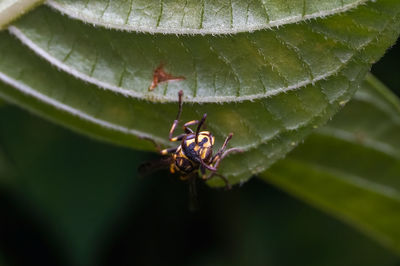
pixel 195 153
pixel 196 149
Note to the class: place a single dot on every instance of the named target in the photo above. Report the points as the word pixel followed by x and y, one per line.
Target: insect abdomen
pixel 184 165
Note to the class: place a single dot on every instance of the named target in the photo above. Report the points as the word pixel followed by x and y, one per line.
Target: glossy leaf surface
pixel 270 88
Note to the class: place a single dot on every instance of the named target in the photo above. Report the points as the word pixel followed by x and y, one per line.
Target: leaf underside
pixel 351 167
pixel 270 88
pixel 12 9
pixel 194 16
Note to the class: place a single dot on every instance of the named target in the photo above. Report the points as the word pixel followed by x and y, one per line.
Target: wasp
pixel 194 156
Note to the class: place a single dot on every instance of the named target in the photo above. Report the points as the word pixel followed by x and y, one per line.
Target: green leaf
pixel 270 88
pixel 66 116
pixel 194 16
pixel 351 167
pixel 240 67
pixel 12 9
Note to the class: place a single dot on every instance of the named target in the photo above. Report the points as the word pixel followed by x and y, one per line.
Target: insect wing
pixel 150 167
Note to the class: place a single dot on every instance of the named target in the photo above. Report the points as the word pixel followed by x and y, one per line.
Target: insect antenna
pixel 180 95
pixel 178 116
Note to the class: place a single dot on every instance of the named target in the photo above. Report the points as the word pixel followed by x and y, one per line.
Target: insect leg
pixel 193 202
pixel 209 167
pixel 166 151
pixel 199 127
pixel 190 123
pixel 203 172
pixel 178 138
pixel 215 161
pixel 234 150
pixel 213 174
pixel 178 116
pixel 218 157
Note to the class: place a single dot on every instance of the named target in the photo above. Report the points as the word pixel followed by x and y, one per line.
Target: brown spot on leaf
pixel 159 75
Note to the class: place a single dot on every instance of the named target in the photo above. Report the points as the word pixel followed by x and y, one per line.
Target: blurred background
pixel 66 199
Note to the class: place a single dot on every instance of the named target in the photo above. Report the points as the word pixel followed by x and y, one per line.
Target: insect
pixel 194 156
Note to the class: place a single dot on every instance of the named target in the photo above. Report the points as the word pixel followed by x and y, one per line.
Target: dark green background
pixel 69 200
